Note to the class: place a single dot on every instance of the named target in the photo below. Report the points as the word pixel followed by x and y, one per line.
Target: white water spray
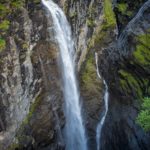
pixel 75 133
pixel 106 97
pixel 97 70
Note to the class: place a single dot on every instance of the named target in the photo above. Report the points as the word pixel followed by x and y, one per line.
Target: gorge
pixel 74 75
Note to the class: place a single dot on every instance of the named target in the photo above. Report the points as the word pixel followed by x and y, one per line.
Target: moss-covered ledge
pixel 136 81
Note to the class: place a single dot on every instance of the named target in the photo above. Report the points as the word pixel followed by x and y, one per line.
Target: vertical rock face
pixel 17 79
pixel 128 63
pixel 30 92
pixel 124 63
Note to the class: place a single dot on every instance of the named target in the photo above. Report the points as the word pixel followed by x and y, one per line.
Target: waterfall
pixel 97 70
pixel 74 130
pixel 106 97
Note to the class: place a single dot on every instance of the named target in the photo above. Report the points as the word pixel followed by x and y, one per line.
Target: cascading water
pixel 106 97
pixel 75 133
pixel 97 70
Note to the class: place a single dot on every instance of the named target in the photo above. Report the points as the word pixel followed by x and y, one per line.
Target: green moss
pixel 4 25
pixel 90 23
pixel 142 52
pixel 3 10
pixel 16 4
pixel 101 36
pixel 32 110
pixel 108 13
pixel 2 44
pixel 102 33
pixel 124 85
pixel 122 7
pixel 89 76
pixel 129 83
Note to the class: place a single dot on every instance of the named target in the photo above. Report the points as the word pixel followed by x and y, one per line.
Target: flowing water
pixel 75 138
pixel 106 97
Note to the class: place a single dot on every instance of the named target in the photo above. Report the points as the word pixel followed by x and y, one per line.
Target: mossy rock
pixel 109 15
pixel 142 51
pixel 89 76
pixel 32 109
pixel 104 32
pixel 90 23
pixel 129 83
pixel 4 25
pixel 2 44
pixel 132 84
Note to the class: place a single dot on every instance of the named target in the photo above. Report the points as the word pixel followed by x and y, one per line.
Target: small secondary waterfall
pixel 74 129
pixel 106 97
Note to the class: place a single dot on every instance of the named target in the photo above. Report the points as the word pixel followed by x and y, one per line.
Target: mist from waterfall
pixel 75 138
pixel 106 98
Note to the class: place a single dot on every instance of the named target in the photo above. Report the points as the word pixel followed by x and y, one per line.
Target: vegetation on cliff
pixel 142 52
pixel 143 118
pixel 100 38
pixel 7 9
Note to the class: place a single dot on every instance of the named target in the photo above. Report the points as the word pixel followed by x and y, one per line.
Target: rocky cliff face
pixel 31 106
pixel 128 63
pixel 30 85
pixel 119 32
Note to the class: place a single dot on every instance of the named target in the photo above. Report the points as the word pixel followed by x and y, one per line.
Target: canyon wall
pixel 31 106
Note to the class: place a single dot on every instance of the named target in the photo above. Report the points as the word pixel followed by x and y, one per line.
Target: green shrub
pixel 2 44
pixel 4 25
pixel 143 118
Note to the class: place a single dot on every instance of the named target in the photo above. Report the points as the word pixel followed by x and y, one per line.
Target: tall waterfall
pixel 74 129
pixel 106 97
